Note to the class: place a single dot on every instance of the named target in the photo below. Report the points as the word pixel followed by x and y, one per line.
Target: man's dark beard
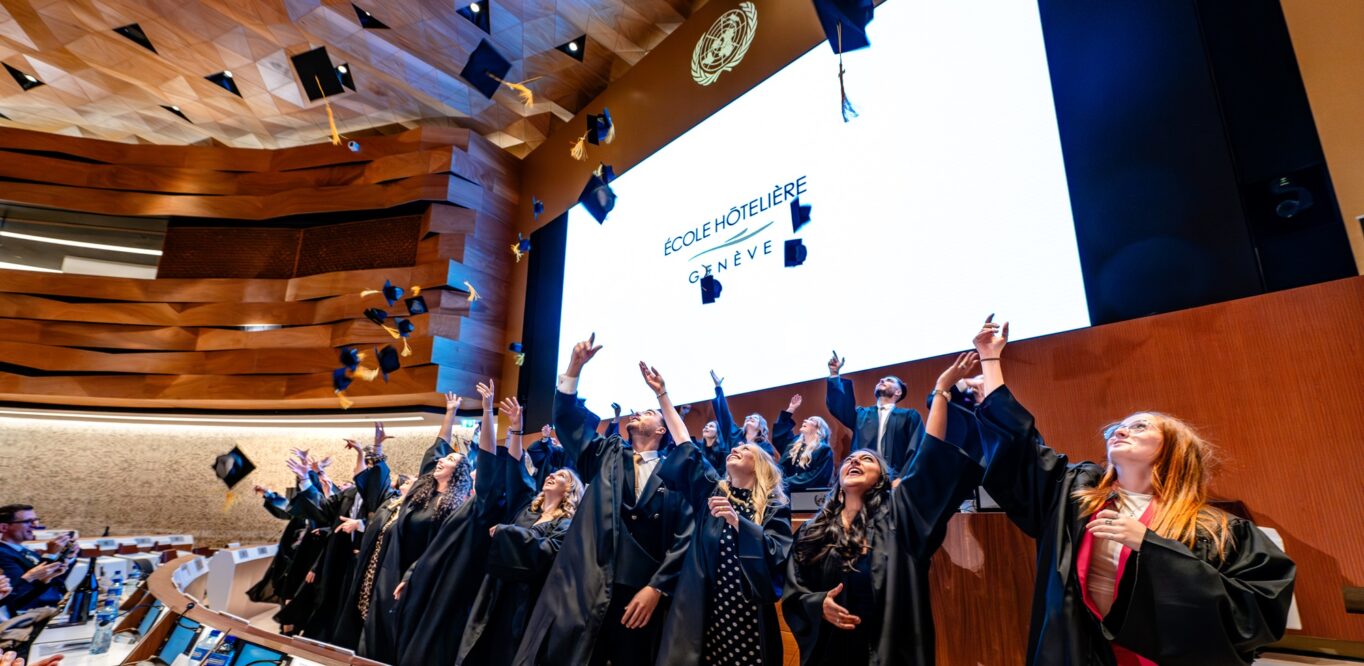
pixel 882 393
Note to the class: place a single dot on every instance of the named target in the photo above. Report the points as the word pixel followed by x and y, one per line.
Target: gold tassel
pixel 392 331
pixel 331 119
pixel 367 374
pixel 346 403
pixel 610 134
pixel 516 250
pixel 370 292
pixel 407 349
pixel 520 358
pixel 847 105
pixel 473 295
pixel 579 151
pixel 416 290
pixel 229 501
pixel 527 95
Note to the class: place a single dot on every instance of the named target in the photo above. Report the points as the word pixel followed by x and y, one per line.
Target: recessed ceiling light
pixel 478 14
pixel 227 73
pixel 473 7
pixel 574 48
pixel 75 243
pixel 342 69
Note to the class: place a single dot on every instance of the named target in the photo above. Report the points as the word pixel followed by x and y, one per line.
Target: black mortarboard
pixel 392 293
pixel 340 380
pixel 376 315
pixel 800 215
pixel 598 198
pixel 852 15
pixel 710 289
pixel 232 467
pixel 600 129
pixel 514 348
pixel 795 252
pixel 537 207
pixel 350 358
pixel 416 305
pixel 607 173
pixel 522 243
pixel 405 326
pixel 486 69
pixel 388 360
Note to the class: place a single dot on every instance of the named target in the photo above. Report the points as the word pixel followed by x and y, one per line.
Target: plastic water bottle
pixel 104 626
pixel 116 589
pixel 204 646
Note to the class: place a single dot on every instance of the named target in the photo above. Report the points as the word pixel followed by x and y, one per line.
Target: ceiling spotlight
pixel 473 7
pixel 31 77
pixel 573 46
pixel 342 69
pixel 227 73
pixel 175 108
pixel 478 13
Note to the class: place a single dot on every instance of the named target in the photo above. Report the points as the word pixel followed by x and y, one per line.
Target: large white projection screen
pixel 943 201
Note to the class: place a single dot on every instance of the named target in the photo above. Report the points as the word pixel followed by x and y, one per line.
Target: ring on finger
pixel 1108 521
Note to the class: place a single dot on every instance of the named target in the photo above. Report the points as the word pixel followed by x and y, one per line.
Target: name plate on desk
pixel 809 500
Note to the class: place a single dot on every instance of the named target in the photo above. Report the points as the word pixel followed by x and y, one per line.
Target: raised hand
pixel 353 445
pixel 485 391
pixel 792 406
pixel 451 401
pixel 260 490
pixel 379 436
pixel 300 469
pixel 324 463
pixel 615 407
pixel 653 379
pixel 512 408
pixel 836 364
pixel 991 339
pixel 582 353
pixel 716 378
pixel 959 370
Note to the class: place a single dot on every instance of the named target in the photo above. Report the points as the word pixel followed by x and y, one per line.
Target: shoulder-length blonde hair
pixel 1180 476
pixel 801 450
pixel 569 504
pixel 767 483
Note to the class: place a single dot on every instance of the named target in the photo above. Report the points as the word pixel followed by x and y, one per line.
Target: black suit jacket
pixel 904 428
pixel 25 595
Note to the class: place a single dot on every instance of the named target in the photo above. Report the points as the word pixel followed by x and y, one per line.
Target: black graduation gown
pixel 379 641
pixel 904 427
pixel 335 567
pixel 1174 605
pixel 591 571
pixel 267 590
pixel 729 432
pixel 905 534
pixel 518 561
pixel 441 585
pixel 349 622
pixel 817 475
pixel 547 457
pixel 763 550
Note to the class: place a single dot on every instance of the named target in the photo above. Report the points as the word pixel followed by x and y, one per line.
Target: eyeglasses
pixel 1135 427
pixel 30 521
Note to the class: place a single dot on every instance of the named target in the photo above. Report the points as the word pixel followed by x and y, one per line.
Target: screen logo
pixel 724 44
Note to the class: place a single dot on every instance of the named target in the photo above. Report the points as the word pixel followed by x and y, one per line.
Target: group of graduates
pixel 651 547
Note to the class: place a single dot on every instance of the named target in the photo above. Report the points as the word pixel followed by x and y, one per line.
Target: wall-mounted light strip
pixel 75 243
pixel 26 267
pixel 97 418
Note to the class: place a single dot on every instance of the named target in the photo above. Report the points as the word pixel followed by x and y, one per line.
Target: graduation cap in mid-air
pixel 232 467
pixel 521 247
pixel 600 128
pixel 405 328
pixel 416 305
pixel 388 360
pixel 537 207
pixel 845 23
pixel 350 358
pixel 800 215
pixel 376 315
pixel 795 252
pixel 597 197
pixel 710 289
pixel 485 69
pixel 518 352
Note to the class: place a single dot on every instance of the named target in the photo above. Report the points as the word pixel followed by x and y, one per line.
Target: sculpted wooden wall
pixel 255 241
pixel 1272 380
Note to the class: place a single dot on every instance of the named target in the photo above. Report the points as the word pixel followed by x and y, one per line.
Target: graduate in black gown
pixel 1133 565
pixel 857 588
pixel 724 610
pixel 299 592
pixel 359 592
pixel 439 589
pixel 807 460
pixel 521 551
pixel 754 429
pixel 442 487
pixel 267 589
pixel 606 595
pixel 894 432
pixel 543 457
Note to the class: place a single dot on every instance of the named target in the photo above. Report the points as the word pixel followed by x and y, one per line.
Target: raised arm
pixel 838 397
pixel 520 485
pixel 676 426
pixel 441 447
pixel 990 343
pixel 447 424
pixel 729 434
pixel 359 457
pixel 784 428
pixel 571 423
pixel 488 433
pixel 939 406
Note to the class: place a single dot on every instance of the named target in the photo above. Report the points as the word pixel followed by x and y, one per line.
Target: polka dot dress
pixel 733 633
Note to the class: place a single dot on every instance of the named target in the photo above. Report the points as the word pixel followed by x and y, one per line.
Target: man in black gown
pixel 891 431
pixel 606 596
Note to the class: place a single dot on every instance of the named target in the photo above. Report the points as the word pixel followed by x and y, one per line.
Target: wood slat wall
pixel 177 342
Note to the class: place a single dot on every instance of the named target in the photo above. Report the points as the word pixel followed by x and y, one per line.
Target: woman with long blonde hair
pixel 522 550
pixel 723 610
pixel 1134 567
pixel 807 460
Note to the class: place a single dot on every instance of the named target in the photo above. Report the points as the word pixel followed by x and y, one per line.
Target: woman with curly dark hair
pixel 857 580
pixel 443 486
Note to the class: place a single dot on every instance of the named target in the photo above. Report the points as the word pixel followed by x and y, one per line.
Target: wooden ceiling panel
pixel 100 84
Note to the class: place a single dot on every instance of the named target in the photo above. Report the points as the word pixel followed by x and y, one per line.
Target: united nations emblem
pixel 724 44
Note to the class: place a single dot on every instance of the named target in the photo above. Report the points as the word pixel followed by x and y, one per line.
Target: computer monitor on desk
pixel 180 640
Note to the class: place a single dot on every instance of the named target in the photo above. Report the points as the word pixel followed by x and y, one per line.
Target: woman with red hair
pixel 1134 566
